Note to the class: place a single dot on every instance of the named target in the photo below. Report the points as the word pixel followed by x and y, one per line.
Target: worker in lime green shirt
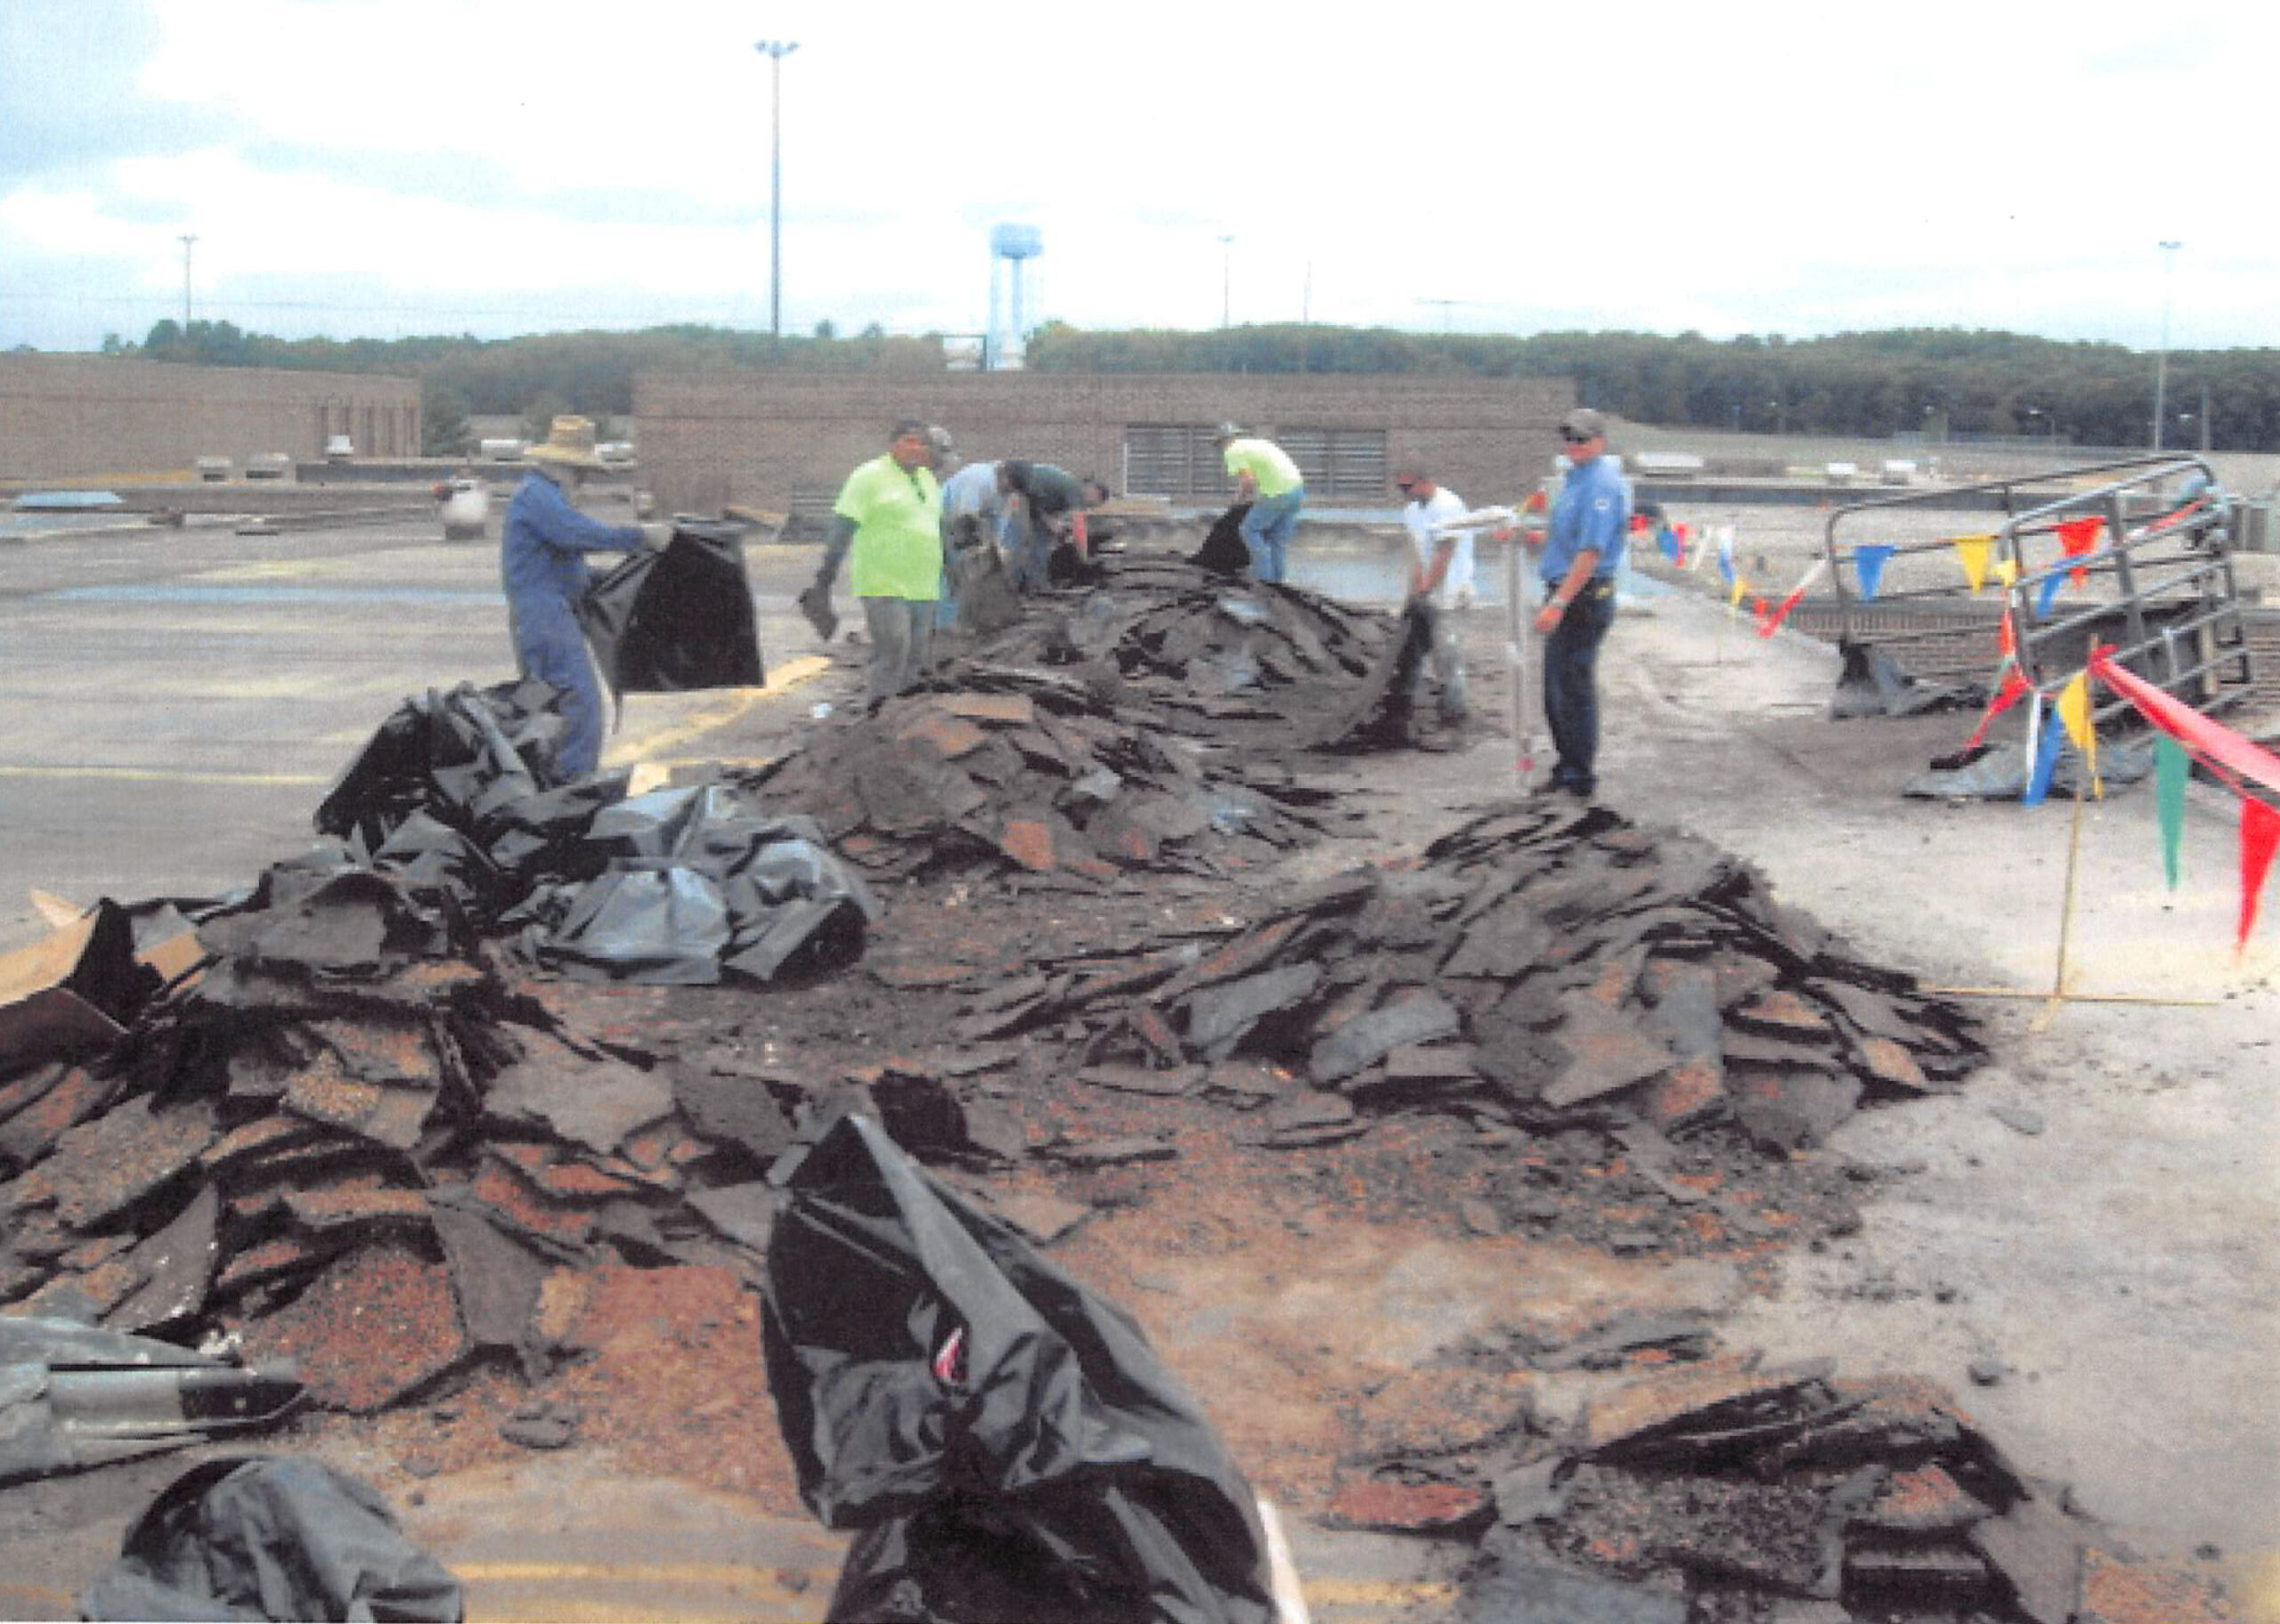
pixel 888 522
pixel 1267 479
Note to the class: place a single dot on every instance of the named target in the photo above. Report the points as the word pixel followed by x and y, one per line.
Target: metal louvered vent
pixel 1178 460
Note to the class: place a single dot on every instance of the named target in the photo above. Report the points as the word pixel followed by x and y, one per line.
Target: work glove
pixel 657 536
pixel 814 603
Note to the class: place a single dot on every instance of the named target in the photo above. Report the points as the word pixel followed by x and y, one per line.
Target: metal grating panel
pixel 1172 460
pixel 1178 460
pixel 1339 463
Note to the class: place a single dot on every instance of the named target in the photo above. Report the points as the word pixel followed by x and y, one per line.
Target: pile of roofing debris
pixel 339 1119
pixel 1172 644
pixel 1721 1492
pixel 1543 964
pixel 1024 769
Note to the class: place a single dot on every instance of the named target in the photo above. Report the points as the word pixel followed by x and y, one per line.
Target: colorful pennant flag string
pixel 1971 552
pixel 2044 742
pixel 2078 539
pixel 2228 755
pixel 2171 768
pixel 2014 689
pixel 2074 712
pixel 1868 567
pixel 2209 739
pixel 2259 833
pixel 1770 622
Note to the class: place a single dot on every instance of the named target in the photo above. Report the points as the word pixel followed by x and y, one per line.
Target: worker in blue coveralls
pixel 542 561
pixel 1582 550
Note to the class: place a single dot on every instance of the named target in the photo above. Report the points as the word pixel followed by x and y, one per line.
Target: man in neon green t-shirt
pixel 1267 479
pixel 888 521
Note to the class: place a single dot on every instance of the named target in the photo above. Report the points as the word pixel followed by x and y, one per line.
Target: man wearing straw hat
pixel 543 562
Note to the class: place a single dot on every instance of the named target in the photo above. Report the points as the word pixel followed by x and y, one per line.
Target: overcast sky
pixel 390 168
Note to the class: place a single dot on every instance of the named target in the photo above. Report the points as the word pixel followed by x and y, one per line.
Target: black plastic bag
pixel 1225 552
pixel 676 620
pixel 274 1537
pixel 1009 1445
pixel 457 755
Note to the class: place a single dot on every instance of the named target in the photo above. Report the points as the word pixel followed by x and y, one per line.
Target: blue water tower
pixel 1011 249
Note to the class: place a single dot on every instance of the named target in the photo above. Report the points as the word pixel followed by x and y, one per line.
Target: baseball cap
pixel 1584 421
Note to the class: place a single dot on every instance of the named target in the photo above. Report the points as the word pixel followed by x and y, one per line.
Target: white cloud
pixel 1775 168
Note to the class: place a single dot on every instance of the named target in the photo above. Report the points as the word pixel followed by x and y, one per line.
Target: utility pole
pixel 2161 365
pixel 1226 277
pixel 188 239
pixel 776 51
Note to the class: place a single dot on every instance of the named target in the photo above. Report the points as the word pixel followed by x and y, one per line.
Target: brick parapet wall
pixel 81 417
pixel 755 438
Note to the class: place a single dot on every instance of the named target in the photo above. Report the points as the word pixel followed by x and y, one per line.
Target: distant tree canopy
pixel 1944 380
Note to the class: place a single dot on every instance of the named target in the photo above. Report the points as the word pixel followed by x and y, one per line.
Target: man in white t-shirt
pixel 1440 579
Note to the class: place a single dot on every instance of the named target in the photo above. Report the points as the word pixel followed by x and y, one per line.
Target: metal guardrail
pixel 2157 584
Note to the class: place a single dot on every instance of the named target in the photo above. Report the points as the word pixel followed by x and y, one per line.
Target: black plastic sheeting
pixel 455 799
pixel 1008 1445
pixel 1873 683
pixel 457 755
pixel 696 884
pixel 677 619
pixel 271 1538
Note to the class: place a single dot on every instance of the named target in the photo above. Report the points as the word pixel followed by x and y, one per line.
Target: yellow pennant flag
pixel 2006 571
pixel 1971 551
pixel 2074 712
pixel 1734 599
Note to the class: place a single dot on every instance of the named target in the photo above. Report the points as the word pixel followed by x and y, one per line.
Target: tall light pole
pixel 2162 365
pixel 776 51
pixel 188 237
pixel 1226 276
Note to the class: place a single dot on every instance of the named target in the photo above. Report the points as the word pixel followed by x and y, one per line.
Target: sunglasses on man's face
pixel 1573 438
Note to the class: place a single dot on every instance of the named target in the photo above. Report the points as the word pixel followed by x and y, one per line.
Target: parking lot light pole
pixel 2162 363
pixel 776 51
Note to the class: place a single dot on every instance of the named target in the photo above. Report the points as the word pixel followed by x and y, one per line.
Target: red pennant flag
pixel 2077 537
pixel 2190 728
pixel 2006 639
pixel 2259 833
pixel 2014 689
pixel 1768 624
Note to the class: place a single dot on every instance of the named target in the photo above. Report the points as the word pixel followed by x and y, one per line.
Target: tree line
pixel 1942 382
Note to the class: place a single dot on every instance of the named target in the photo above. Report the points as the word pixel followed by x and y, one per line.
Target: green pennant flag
pixel 2170 770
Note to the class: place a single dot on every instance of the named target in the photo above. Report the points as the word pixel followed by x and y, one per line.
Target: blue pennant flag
pixel 2045 755
pixel 2050 590
pixel 1869 564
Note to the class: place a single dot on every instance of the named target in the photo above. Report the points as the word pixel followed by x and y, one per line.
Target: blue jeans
pixel 901 630
pixel 550 646
pixel 1266 530
pixel 1571 698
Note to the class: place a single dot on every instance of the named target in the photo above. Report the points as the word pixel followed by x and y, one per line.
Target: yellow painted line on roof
pixel 739 700
pixel 1329 1593
pixel 1375 1592
pixel 152 775
pixel 730 1574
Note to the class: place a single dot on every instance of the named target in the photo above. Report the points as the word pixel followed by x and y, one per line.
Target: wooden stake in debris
pixel 1516 655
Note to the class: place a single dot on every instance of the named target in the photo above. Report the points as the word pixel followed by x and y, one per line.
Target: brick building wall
pixel 779 440
pixel 105 418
